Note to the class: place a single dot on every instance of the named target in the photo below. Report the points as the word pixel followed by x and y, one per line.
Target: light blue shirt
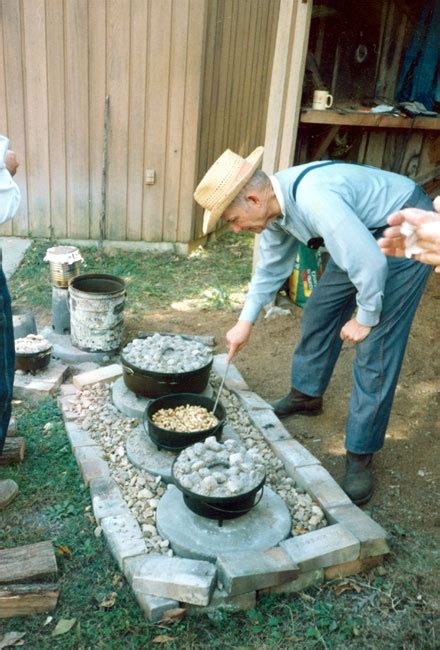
pixel 339 203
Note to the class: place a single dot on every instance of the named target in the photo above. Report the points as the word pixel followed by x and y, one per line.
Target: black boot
pixel 297 402
pixel 358 479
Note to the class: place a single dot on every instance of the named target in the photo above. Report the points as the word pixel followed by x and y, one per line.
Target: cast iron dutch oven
pixel 220 507
pixel 33 361
pixel 148 383
pixel 178 440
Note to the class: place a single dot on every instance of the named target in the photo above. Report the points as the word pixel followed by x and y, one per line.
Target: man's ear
pixel 253 199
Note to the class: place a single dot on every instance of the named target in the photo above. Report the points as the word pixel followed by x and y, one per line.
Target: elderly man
pixel 9 202
pixel 346 206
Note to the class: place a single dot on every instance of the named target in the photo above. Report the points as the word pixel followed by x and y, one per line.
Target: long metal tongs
pixel 221 387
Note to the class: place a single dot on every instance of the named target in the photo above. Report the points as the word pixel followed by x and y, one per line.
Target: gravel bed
pixel 142 491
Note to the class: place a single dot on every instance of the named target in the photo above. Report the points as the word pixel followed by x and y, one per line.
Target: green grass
pixel 394 607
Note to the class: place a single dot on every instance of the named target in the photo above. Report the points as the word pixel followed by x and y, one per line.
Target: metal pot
pixel 33 361
pixel 178 440
pixel 148 383
pixel 220 507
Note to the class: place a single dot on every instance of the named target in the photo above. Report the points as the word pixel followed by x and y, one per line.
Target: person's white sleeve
pixel 277 253
pixel 354 249
pixel 9 192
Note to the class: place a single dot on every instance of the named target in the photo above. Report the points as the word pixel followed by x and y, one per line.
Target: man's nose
pixel 235 228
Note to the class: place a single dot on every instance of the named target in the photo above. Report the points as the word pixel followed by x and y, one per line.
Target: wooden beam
pixel 23 600
pixel 30 562
pixel 372 120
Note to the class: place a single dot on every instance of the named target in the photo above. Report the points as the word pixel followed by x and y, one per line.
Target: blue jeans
pixel 379 357
pixel 7 358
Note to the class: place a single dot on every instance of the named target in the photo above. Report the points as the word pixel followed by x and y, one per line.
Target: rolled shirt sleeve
pixel 277 250
pixel 9 192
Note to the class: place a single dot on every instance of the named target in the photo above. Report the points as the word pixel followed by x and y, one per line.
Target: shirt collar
pixel 278 193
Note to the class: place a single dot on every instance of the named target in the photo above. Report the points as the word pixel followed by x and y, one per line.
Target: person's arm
pixel 9 192
pixel 277 253
pixel 354 249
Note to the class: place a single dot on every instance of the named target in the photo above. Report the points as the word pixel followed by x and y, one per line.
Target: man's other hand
pixel 354 331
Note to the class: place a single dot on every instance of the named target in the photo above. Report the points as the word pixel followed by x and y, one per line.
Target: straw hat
pixel 222 183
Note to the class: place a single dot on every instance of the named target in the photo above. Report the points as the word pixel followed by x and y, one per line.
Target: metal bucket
pixel 96 302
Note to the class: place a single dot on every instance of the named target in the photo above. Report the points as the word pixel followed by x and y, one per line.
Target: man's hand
pixel 11 162
pixel 237 338
pixel 354 331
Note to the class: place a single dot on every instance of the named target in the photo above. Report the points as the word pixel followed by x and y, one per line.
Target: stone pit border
pixel 351 543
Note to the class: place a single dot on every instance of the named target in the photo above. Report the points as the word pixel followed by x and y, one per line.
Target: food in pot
pixel 216 469
pixel 167 353
pixel 187 418
pixel 32 344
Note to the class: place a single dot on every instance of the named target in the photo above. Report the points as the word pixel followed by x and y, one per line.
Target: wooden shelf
pixel 369 120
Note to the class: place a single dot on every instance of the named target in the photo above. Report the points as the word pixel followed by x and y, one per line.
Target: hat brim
pixel 210 218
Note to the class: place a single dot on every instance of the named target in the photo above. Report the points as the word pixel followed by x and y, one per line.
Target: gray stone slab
pixel 182 579
pixel 154 607
pixel 143 453
pixel 251 401
pixel 107 499
pixel 198 537
pixel 245 571
pixel 77 436
pixel 91 463
pixel 293 455
pixel 127 402
pixel 64 349
pixel 372 537
pixel 124 537
pixel 13 251
pixel 269 425
pixel 317 481
pixel 303 581
pixel 322 548
pixel 221 600
pixel 41 385
pixel 234 380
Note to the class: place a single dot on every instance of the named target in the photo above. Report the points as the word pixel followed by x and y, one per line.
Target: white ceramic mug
pixel 322 100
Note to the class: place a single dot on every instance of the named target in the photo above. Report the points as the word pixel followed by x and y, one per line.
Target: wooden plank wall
pixel 239 48
pixel 59 60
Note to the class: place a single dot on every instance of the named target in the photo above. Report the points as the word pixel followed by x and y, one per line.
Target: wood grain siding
pixel 238 54
pixel 185 79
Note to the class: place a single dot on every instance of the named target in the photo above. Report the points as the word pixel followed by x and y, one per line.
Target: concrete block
pixel 251 401
pixel 247 571
pixel 100 375
pixel 188 581
pixel 68 390
pixel 320 485
pixel 107 499
pixel 352 568
pixel 322 548
pixel 77 436
pixel 293 455
pixel 269 425
pixel 124 537
pixel 154 607
pixel 221 600
pixel 302 582
pixel 372 537
pixel 91 463
pixel 234 380
pixel 43 384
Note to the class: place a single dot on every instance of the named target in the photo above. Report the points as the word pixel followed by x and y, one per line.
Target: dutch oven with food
pixel 165 363
pixel 177 421
pixel 32 353
pixel 219 480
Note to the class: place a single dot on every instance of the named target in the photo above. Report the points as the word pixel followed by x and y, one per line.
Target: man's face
pixel 249 218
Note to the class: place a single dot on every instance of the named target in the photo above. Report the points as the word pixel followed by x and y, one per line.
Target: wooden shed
pixel 116 108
